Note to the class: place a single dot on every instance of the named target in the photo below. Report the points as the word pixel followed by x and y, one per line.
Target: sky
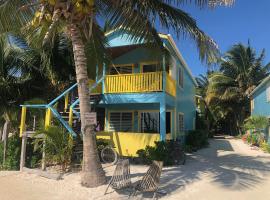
pixel 246 20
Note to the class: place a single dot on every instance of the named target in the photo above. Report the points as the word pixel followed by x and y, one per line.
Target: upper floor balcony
pixel 140 83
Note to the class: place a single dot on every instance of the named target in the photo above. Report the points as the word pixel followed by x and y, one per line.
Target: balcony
pixel 139 83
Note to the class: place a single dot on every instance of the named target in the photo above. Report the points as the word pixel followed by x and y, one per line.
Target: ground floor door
pixel 168 122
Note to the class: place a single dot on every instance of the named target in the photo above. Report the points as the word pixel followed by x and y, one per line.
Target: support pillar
pixel 48 118
pixel 23 119
pixel 66 101
pixel 164 73
pixel 43 162
pixel 96 73
pixel 23 151
pixel 103 82
pixel 70 117
pixel 162 120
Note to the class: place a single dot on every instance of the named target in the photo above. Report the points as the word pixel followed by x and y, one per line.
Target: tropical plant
pixel 256 123
pixel 206 111
pixel 58 146
pixel 78 19
pixel 240 72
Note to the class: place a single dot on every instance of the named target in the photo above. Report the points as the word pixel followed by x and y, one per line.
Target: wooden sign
pixel 90 118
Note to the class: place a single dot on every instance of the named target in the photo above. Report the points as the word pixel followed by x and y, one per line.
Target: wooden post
pixel 43 163
pixel 70 117
pixel 48 118
pixel 66 101
pixel 23 151
pixel 104 81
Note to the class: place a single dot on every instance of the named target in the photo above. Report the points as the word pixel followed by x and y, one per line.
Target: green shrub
pixel 58 146
pixel 197 139
pixel 265 147
pixel 13 153
pixel 166 151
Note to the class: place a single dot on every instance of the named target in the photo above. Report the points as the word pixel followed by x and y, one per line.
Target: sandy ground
pixel 227 170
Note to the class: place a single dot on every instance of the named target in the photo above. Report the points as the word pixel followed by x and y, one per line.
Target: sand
pixel 227 170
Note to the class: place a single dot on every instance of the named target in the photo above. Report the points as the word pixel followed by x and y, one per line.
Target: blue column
pixel 103 75
pixel 162 119
pixel 96 72
pixel 162 109
pixel 164 73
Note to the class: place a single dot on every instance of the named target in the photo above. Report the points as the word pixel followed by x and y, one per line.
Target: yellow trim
pixel 23 119
pixel 107 128
pixel 70 117
pixel 122 65
pixel 66 101
pixel 48 118
pixel 128 143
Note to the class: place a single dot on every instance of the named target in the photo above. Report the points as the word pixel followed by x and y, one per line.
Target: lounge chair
pixel 150 181
pixel 121 176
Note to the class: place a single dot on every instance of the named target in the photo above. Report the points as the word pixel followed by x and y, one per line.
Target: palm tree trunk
pixel 92 172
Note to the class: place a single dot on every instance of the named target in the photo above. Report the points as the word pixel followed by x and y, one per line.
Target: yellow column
pixel 23 119
pixel 66 101
pixel 70 118
pixel 48 118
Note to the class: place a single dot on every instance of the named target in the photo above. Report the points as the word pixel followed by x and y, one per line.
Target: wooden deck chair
pixel 150 181
pixel 121 176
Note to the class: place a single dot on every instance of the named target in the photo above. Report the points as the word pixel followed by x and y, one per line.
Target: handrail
pixel 35 106
pixel 63 94
pixel 65 124
pixel 78 100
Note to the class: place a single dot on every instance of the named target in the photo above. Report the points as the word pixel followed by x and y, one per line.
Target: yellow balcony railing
pixel 136 83
pixel 170 85
pixel 130 83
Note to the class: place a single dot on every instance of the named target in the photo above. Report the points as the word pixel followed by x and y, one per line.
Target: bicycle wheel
pixel 109 155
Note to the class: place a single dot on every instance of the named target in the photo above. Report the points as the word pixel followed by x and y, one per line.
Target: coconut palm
pixel 78 19
pixel 240 72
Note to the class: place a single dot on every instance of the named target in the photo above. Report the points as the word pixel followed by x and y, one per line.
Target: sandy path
pixel 228 170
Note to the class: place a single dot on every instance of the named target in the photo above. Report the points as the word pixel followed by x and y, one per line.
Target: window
pixel 149 68
pixel 115 70
pixel 180 77
pixel 268 94
pixel 252 105
pixel 120 121
pixel 181 122
pixel 149 122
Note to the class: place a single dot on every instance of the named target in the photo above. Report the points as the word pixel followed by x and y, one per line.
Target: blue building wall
pixel 261 106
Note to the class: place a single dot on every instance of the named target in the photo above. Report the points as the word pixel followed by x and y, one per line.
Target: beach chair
pixel 121 176
pixel 150 181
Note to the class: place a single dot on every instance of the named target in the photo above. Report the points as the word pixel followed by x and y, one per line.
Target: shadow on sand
pixel 225 167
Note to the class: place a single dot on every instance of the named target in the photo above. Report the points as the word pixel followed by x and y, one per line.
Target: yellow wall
pixel 127 144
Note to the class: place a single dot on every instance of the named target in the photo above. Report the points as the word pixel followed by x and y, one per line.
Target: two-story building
pixel 142 97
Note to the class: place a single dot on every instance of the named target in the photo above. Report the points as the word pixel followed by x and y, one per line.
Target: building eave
pixel 260 85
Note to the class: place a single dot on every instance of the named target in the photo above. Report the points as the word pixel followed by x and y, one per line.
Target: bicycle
pixel 109 155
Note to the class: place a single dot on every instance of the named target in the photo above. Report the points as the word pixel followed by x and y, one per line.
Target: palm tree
pixel 240 72
pixel 78 19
